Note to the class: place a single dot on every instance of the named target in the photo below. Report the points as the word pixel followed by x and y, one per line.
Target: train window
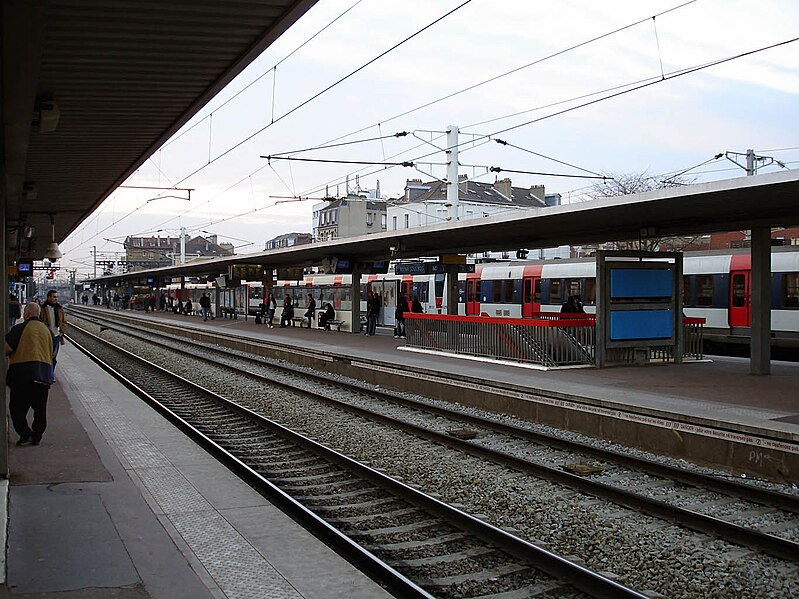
pixel 509 284
pixel 790 290
pixel 589 298
pixel 686 291
pixel 738 291
pixel 538 291
pixel 704 290
pixel 572 287
pixel 440 279
pixel 554 291
pixel 470 292
pixel 527 292
pixel 497 292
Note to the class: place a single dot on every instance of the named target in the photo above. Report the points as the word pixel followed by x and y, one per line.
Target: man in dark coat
pixel 30 373
pixel 52 315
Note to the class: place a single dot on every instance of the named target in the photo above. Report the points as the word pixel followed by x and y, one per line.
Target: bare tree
pixel 621 184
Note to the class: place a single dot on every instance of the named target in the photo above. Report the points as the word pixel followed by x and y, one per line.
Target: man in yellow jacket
pixel 30 373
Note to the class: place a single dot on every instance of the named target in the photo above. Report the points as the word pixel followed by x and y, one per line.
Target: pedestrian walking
pixel 29 346
pixel 52 315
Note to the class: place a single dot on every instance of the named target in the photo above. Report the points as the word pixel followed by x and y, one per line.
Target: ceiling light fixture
pixel 52 252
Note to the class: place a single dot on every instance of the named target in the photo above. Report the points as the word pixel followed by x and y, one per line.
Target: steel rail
pixel 734 533
pixel 728 487
pixel 552 564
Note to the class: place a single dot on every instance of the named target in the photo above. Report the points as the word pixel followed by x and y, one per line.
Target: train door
pixel 531 290
pixel 473 296
pixel 531 296
pixel 388 300
pixel 740 298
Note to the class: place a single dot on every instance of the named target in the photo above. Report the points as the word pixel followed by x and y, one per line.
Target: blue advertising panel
pixel 641 283
pixel 626 325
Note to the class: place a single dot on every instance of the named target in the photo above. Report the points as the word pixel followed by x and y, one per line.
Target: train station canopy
pixel 89 89
pixel 743 203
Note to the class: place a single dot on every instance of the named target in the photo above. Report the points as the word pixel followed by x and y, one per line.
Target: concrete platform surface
pixel 117 503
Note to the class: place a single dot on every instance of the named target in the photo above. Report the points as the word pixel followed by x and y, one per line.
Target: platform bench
pixel 300 320
pixel 334 323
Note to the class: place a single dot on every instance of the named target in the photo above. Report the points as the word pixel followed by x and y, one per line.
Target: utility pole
pixel 452 171
pixel 94 259
pixel 183 245
pixel 759 293
pixel 753 161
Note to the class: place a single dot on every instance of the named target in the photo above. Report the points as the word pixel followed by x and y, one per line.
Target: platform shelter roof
pixel 742 203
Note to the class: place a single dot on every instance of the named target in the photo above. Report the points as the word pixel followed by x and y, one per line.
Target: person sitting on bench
pixel 288 313
pixel 326 316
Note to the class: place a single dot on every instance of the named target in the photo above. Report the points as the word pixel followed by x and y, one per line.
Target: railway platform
pixel 713 412
pixel 117 503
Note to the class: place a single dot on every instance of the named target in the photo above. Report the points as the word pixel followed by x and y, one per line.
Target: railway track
pixel 739 513
pixel 415 544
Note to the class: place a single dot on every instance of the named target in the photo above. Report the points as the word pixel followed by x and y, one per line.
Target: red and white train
pixel 716 287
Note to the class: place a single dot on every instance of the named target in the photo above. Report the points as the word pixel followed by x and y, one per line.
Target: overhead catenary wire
pixel 515 70
pixel 336 145
pixel 625 89
pixel 474 86
pixel 262 75
pixel 327 89
pixel 506 143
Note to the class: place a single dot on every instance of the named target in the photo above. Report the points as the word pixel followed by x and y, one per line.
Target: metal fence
pixel 548 339
pixel 551 343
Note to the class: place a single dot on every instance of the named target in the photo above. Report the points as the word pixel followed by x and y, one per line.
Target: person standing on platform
pixel 52 314
pixel 372 313
pixel 416 305
pixel 30 374
pixel 271 307
pixel 205 307
pixel 310 313
pixel 399 315
pixel 14 310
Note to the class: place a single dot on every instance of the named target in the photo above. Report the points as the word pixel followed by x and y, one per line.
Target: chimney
pixel 463 184
pixel 538 192
pixel 212 238
pixel 504 187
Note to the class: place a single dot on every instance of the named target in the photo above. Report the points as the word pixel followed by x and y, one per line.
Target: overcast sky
pixel 671 125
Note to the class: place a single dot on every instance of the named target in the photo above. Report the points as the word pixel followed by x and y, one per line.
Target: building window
pixel 407 221
pixel 369 219
pixel 383 221
pixel 394 222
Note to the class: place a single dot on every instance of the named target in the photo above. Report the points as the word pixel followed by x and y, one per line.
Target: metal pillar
pixel 355 293
pixel 452 172
pixel 452 289
pixel 183 245
pixel 4 315
pixel 761 301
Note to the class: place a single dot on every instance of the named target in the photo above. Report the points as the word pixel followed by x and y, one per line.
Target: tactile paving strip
pixel 235 565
